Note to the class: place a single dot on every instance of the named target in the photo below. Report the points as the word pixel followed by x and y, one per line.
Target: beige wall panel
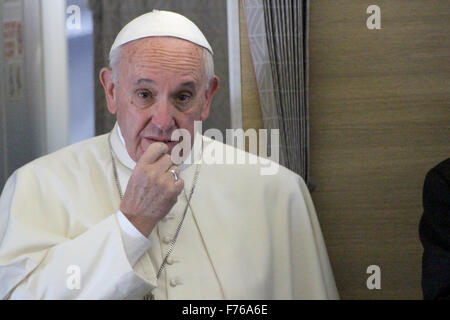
pixel 379 120
pixel 251 109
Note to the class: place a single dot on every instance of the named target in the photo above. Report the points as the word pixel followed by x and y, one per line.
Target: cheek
pixel 195 112
pixel 186 120
pixel 132 119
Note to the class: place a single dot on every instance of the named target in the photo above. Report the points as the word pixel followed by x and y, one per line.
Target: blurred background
pixel 363 113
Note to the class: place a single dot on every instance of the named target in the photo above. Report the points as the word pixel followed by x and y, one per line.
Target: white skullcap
pixel 159 24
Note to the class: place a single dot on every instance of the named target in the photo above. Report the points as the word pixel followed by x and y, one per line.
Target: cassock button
pixel 170 260
pixel 174 282
pixel 167 239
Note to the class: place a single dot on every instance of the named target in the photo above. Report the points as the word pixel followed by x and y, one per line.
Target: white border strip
pixel 55 73
pixel 234 63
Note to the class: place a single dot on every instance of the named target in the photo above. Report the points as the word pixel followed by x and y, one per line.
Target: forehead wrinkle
pixel 161 54
pixel 168 59
pixel 145 70
pixel 178 67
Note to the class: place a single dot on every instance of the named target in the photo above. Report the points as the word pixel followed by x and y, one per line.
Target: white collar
pixel 118 145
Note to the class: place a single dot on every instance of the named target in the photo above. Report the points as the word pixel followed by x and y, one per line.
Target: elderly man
pixel 114 217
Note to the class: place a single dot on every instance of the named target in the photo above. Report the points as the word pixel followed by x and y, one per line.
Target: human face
pixel 161 87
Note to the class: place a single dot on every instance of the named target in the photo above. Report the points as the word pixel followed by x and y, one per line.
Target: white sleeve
pixel 134 242
pixel 50 265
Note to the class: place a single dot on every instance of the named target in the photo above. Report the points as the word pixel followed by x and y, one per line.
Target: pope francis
pixel 114 217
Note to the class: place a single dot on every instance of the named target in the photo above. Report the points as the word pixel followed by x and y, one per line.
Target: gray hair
pixel 114 58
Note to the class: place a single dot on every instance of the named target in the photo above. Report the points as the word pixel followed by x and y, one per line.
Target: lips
pixel 147 141
pixel 157 139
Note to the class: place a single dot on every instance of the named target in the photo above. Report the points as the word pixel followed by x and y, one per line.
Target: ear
pixel 213 86
pixel 108 85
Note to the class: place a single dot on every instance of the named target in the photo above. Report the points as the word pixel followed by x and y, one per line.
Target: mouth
pixel 170 143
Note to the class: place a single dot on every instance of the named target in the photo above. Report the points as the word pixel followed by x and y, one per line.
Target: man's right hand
pixel 152 190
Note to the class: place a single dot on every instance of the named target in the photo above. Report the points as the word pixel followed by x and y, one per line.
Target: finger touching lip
pixel 146 142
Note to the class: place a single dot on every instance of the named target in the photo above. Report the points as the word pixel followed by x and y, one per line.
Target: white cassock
pixel 248 236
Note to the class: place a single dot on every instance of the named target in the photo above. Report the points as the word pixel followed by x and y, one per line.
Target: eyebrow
pixel 144 80
pixel 188 84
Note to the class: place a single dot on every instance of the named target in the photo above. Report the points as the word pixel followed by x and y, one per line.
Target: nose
pixel 162 116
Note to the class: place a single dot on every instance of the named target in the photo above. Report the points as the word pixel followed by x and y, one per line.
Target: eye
pixel 184 97
pixel 144 94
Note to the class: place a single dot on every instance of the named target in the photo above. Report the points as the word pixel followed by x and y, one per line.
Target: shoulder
pixel 440 172
pixel 78 156
pixel 436 204
pixel 434 231
pixel 437 182
pixel 248 168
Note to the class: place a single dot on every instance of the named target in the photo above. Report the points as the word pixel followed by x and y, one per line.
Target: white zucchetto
pixel 160 23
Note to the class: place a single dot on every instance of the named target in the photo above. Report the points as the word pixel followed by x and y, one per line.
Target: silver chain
pixel 150 296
